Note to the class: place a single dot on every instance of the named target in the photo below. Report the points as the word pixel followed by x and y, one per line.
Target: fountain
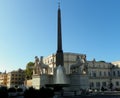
pixel 59 77
pixel 59 81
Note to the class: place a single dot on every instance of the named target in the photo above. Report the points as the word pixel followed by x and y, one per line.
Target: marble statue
pixel 80 66
pixel 37 69
pixel 40 67
pixel 84 64
pixel 44 68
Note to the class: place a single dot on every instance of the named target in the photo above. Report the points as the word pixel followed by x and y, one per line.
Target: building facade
pixel 117 63
pixel 69 59
pixel 101 73
pixel 16 78
pixel 3 79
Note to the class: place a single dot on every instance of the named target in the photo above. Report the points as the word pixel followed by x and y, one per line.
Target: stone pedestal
pixel 79 81
pixel 39 81
pixel 84 81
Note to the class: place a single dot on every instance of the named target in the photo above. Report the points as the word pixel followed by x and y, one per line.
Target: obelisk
pixel 59 73
pixel 59 54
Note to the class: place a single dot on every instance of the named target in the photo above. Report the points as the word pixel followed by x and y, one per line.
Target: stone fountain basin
pixel 57 85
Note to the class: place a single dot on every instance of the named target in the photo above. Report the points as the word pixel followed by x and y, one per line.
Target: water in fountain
pixel 60 77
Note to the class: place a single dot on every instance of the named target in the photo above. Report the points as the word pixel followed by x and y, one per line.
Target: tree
pixel 29 70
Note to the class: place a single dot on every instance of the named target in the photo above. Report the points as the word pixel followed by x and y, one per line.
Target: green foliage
pixel 29 70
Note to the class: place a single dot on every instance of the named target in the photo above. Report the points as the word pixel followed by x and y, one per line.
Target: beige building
pixel 117 63
pixel 101 73
pixel 69 59
pixel 3 79
pixel 16 78
pixel 28 83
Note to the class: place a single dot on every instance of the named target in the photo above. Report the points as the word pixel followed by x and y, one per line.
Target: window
pixel 94 74
pixel 118 73
pixel 16 82
pixel 103 83
pixel 109 74
pixel 51 60
pixel 12 82
pixel 104 73
pixel 12 78
pixel 117 83
pixel 91 84
pixel 113 73
pixel 90 74
pixel 50 69
pixel 97 84
pixel 100 73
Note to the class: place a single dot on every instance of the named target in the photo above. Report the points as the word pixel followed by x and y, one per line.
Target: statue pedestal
pixel 84 81
pixel 79 81
pixel 39 81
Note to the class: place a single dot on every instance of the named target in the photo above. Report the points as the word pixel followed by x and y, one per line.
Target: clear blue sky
pixel 28 28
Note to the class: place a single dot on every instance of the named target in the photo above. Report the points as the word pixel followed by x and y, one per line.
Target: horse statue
pixel 74 68
pixel 44 68
pixel 79 66
pixel 36 69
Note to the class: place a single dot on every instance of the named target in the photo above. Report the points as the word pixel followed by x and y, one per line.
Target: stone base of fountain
pixel 79 81
pixel 39 81
pixel 57 87
pixel 59 79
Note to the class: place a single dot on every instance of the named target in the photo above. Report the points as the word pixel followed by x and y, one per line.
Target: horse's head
pixel 36 60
